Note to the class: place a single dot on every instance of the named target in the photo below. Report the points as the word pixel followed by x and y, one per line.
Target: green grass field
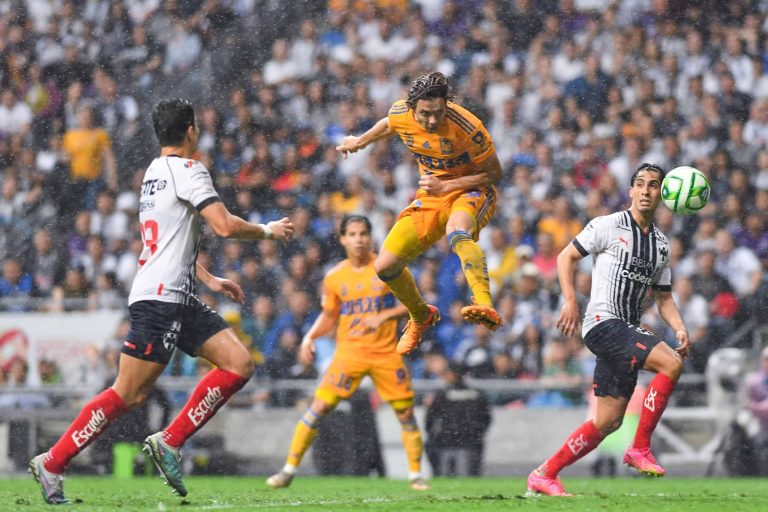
pixel 314 493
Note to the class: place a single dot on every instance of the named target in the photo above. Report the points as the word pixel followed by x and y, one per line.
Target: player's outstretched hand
pixel 431 185
pixel 281 229
pixel 350 144
pixel 307 351
pixel 569 318
pixel 683 343
pixel 229 288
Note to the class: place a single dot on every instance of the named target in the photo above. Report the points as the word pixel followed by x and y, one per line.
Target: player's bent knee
pixel 609 426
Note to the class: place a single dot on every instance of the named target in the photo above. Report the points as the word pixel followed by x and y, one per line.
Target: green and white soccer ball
pixel 685 190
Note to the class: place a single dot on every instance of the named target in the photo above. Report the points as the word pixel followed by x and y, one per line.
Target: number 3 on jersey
pixel 149 235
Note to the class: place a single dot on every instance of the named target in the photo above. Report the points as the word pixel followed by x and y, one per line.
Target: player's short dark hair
pixel 172 118
pixel 347 219
pixel 645 166
pixel 431 85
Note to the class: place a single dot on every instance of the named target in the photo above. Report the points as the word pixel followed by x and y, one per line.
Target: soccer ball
pixel 685 190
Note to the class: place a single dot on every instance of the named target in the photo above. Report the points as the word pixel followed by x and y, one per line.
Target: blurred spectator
pixel 16 287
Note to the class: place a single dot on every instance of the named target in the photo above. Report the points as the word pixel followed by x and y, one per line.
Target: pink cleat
pixel 642 459
pixel 539 483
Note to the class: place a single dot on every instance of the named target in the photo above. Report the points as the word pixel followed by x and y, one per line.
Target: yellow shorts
pixel 389 374
pixel 428 215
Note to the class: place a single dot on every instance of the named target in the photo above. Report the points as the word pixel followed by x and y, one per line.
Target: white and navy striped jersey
pixel 626 262
pixel 173 193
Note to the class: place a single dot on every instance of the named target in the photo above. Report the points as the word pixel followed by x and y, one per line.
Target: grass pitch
pixel 460 494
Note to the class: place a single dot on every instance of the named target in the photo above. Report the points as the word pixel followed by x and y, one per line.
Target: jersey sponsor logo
pixel 640 263
pixel 189 163
pixel 577 444
pixel 635 276
pixel 146 205
pixel 94 426
pixel 149 187
pixel 407 139
pixel 367 305
pixel 431 162
pixel 211 399
pixel 446 146
pixel 650 400
pixel 398 108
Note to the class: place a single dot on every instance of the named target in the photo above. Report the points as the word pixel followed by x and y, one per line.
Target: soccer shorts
pixel 428 216
pixel 621 351
pixel 157 328
pixel 389 375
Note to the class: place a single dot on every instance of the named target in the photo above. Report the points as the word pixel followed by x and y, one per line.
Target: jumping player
pixel 458 168
pixel 177 194
pixel 630 255
pixel 366 313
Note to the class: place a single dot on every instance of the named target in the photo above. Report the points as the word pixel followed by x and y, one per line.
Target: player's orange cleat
pixel 415 330
pixel 539 483
pixel 643 460
pixel 482 314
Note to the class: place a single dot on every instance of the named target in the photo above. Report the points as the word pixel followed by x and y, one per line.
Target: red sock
pixel 656 397
pixel 582 441
pixel 210 394
pixel 93 419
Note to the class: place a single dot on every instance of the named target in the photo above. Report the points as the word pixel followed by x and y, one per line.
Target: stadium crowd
pixel 576 93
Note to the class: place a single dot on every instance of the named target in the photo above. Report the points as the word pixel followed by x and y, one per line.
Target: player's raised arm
pixel 226 225
pixel 566 272
pixel 353 143
pixel 670 314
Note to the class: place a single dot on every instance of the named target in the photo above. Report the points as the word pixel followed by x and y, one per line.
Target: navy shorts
pixel 157 328
pixel 621 351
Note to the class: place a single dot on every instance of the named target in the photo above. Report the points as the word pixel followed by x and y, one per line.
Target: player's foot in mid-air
pixel 420 484
pixel 482 314
pixel 415 330
pixel 643 460
pixel 51 484
pixel 539 483
pixel 280 480
pixel 168 461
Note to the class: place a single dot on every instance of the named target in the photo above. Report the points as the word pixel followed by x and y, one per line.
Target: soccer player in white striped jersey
pixel 177 194
pixel 630 255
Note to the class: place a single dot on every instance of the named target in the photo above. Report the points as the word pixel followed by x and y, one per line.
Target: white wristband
pixel 268 234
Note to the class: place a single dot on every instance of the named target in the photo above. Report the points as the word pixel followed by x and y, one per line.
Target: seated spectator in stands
pixel 545 259
pixel 106 293
pixel 47 264
pixel 15 115
pixel 708 282
pixel 757 403
pixel 476 354
pixel 503 366
pixel 110 224
pixel 560 368
pixel 259 322
pixel 561 224
pixel 526 352
pixel 695 309
pixel 456 423
pixel 753 234
pixel 453 330
pixel 73 293
pixel 501 257
pixel 299 318
pixel 283 364
pixel 16 287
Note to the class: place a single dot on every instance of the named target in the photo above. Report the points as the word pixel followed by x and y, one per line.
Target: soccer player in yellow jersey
pixel 458 168
pixel 366 313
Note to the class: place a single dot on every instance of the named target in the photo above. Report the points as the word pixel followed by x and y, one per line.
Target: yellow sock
pixel 305 433
pixel 474 265
pixel 404 289
pixel 413 447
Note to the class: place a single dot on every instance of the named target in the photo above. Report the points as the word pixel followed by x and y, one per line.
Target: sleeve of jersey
pixel 592 238
pixel 396 115
pixel 330 300
pixel 194 185
pixel 664 283
pixel 479 142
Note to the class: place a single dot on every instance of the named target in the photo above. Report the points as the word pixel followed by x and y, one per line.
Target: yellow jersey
pixel 350 295
pixel 457 148
pixel 86 150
